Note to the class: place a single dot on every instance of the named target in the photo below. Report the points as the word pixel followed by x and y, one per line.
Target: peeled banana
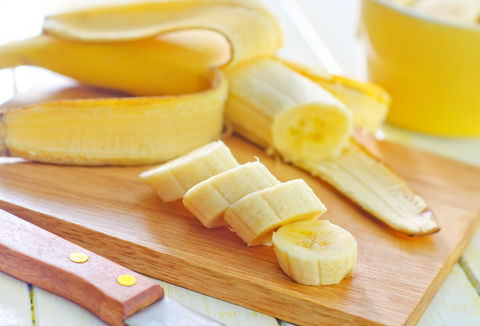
pixel 173 179
pixel 377 189
pixel 279 109
pixel 209 199
pixel 315 252
pixel 368 102
pixel 257 215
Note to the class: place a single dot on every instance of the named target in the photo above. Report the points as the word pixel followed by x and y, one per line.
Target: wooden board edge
pixel 197 276
pixel 443 273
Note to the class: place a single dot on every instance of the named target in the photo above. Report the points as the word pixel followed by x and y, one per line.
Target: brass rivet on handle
pixel 78 257
pixel 126 280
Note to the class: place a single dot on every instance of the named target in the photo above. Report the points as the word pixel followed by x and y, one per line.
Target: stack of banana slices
pixel 191 67
pixel 254 204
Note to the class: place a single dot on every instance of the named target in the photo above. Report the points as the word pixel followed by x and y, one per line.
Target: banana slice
pixel 256 216
pixel 173 179
pixel 209 199
pixel 315 252
pixel 278 108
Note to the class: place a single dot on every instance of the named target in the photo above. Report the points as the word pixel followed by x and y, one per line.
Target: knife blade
pixel 112 292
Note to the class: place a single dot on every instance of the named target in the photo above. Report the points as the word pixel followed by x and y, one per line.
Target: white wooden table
pixel 456 303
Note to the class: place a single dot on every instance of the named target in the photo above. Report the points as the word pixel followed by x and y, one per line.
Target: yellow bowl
pixel 429 66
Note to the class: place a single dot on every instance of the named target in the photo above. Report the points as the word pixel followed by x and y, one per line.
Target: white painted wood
pixel 456 303
pixel 465 150
pixel 52 310
pixel 470 261
pixel 224 312
pixel 15 307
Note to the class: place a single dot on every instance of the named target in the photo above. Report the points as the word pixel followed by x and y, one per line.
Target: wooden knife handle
pixel 41 258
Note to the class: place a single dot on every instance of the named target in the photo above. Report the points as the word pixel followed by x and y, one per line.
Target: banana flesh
pixel 368 182
pixel 172 180
pixel 368 102
pixel 209 199
pixel 315 252
pixel 116 131
pixel 280 109
pixel 255 216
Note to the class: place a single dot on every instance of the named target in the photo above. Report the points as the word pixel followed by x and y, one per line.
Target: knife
pixel 114 293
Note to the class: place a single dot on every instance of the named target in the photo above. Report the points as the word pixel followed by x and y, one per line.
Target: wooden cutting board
pixel 110 211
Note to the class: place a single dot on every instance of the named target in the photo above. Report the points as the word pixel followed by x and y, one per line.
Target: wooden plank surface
pixel 470 261
pixel 110 211
pixel 52 310
pixel 456 303
pixel 15 307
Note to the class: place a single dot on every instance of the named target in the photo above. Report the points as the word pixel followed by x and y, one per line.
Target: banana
pixel 257 215
pixel 116 131
pixel 260 92
pixel 368 102
pixel 146 67
pixel 104 48
pixel 368 182
pixel 251 30
pixel 315 252
pixel 209 199
pixel 279 109
pixel 173 179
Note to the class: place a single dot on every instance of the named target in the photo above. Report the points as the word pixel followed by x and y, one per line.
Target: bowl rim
pixel 432 19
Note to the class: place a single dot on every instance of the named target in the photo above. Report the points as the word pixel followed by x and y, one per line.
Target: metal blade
pixel 166 312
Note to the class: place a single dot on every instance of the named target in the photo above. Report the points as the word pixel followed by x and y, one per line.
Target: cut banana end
pixel 368 102
pixel 116 131
pixel 315 252
pixel 257 215
pixel 376 188
pixel 173 179
pixel 209 199
pixel 278 108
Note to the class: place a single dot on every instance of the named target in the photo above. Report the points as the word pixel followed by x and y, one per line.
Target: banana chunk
pixel 315 252
pixel 256 216
pixel 172 180
pixel 209 199
pixel 278 108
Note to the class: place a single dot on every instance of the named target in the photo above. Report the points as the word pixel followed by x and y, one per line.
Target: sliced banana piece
pixel 315 252
pixel 257 215
pixel 209 199
pixel 278 108
pixel 173 179
pixel 377 189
